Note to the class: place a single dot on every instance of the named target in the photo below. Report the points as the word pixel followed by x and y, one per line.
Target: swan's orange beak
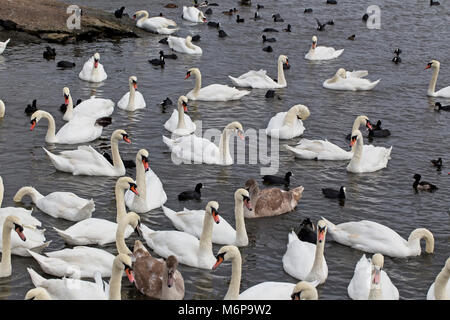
pixel 185 107
pixel 145 163
pixel 247 203
pixel 187 75
pixel 321 235
pixel 133 188
pixel 353 141
pixel 19 231
pixel 135 85
pixel 314 45
pixel 95 64
pixel 126 139
pixel 215 215
pixel 376 278
pixel 369 125
pixel 66 99
pixel 295 296
pixel 428 66
pixel 33 124
pixel 129 273
pixel 241 135
pixel 134 16
pixel 218 262
pixel 204 19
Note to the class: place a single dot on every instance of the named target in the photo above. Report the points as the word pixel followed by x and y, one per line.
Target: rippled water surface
pixel 399 100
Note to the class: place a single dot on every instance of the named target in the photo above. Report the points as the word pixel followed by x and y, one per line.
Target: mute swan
pixel 352 81
pixel 373 237
pixel 370 282
pixel 272 201
pixel 213 92
pixel 191 195
pixel 82 261
pixel 133 99
pixel 93 70
pixel 35 235
pixel 260 80
pixel 304 291
pixel 93 108
pixel 444 92
pixel 288 125
pixel 157 278
pixel 188 249
pixel 100 231
pixel 75 289
pixel 191 221
pixel 183 45
pixel 11 222
pixel 193 14
pixel 3 45
pixel 66 205
pixel 87 161
pixel 263 291
pixel 37 294
pixel 150 189
pixel 159 25
pixel 201 150
pixel 2 109
pixel 321 52
pixel 304 260
pixel 275 180
pixel 367 158
pixel 440 288
pixel 179 122
pixel 79 130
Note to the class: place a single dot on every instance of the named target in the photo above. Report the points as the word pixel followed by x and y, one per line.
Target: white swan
pixel 133 99
pixel 304 260
pixel 83 262
pixel 100 231
pixel 188 249
pixel 367 158
pixel 370 282
pixel 65 205
pixel 3 45
pixel 201 150
pixel 263 291
pixel 288 125
pixel 372 237
pixel 440 288
pixel 180 123
pixel 159 25
pixel 321 52
pixel 93 108
pixel 150 189
pixel 35 236
pixel 183 45
pixel 93 70
pixel 86 161
pixel 192 14
pixel 37 294
pixel 191 221
pixel 352 81
pixel 213 92
pixel 78 130
pixel 325 150
pixel 10 223
pixel 260 79
pixel 444 92
pixel 75 289
pixel 2 109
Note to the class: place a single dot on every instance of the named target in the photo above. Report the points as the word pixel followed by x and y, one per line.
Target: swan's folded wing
pixel 357 74
pixel 160 22
pixel 86 155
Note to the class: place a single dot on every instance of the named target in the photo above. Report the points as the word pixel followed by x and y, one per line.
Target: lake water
pixel 419 134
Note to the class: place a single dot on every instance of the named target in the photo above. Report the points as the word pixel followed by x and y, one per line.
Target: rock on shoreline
pixel 46 20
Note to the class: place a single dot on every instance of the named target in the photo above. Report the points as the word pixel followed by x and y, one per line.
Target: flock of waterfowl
pixel 196 230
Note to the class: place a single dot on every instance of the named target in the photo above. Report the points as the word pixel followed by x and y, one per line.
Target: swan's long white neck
pixel 375 292
pixel 290 117
pixel 2 191
pixel 281 79
pixel 115 284
pixel 2 109
pixel 116 159
pixel 28 191
pixel 132 96
pixel 357 150
pixel 359 121
pixel 317 267
pixel 189 44
pixel 205 246
pixel 140 179
pixel 224 147
pixel 241 231
pixel 69 110
pixel 415 237
pixel 144 16
pixel 198 82
pixel 433 81
pixel 235 283
pixel 120 236
pixel 50 136
pixel 181 124
pixel 120 203
pixel 5 265
pixel 440 285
